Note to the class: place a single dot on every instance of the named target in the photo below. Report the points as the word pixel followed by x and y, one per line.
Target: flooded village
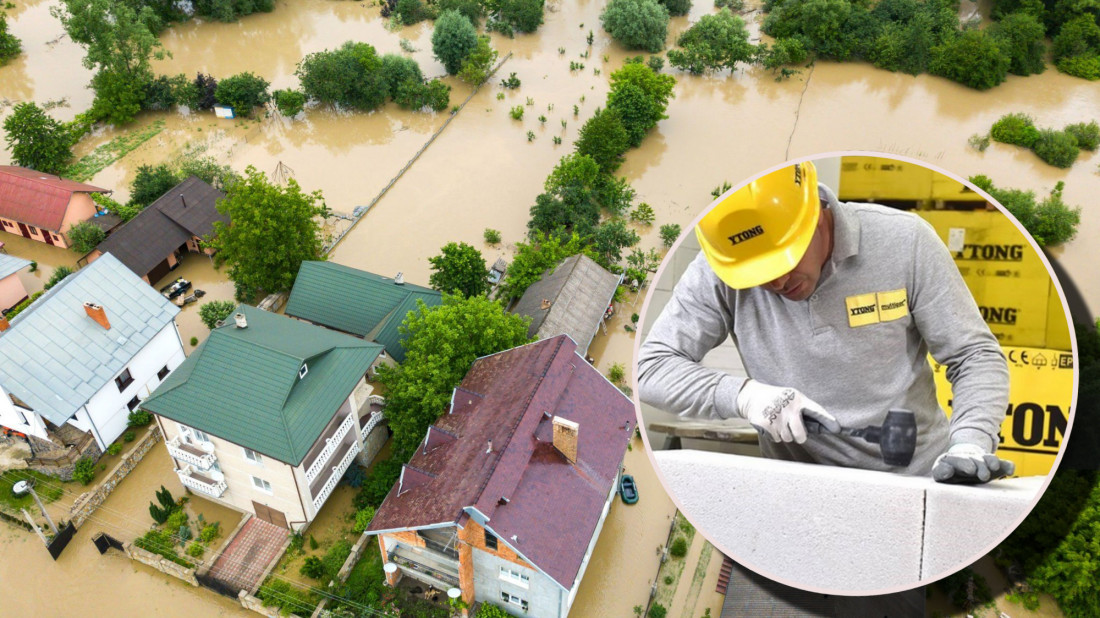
pixel 401 185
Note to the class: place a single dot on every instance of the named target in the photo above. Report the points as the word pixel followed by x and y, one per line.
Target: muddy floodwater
pixel 482 172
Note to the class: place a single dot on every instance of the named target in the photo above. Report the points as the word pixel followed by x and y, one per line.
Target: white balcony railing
pixel 377 400
pixel 372 422
pixel 330 447
pixel 337 472
pixel 200 455
pixel 211 483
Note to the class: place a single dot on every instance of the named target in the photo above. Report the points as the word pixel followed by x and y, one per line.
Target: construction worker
pixel 834 308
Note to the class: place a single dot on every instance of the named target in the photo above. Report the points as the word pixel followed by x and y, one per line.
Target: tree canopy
pixel 272 230
pixel 459 269
pixel 10 46
pixel 637 24
pixel 534 258
pixel 603 138
pixel 36 140
pixel 641 97
pixel 1050 221
pixel 453 39
pixel 714 43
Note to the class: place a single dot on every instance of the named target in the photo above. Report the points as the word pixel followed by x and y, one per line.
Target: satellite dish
pixel 454 593
pixel 21 488
pixel 390 568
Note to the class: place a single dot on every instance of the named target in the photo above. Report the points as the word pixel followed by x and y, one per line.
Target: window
pixel 133 403
pixel 56 237
pixel 303 371
pixel 253 456
pixel 32 229
pixel 261 484
pixel 512 599
pixel 198 436
pixel 163 372
pixel 490 541
pixel 124 379
pixel 515 576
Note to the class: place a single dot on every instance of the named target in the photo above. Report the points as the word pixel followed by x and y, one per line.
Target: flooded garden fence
pixel 87 503
pixel 361 211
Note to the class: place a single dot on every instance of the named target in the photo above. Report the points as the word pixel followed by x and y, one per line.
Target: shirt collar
pixel 845 226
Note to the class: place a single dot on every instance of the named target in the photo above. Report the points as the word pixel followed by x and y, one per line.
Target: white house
pixel 82 357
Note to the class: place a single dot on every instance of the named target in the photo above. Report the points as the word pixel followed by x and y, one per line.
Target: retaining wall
pixel 89 501
pixel 373 444
pixel 255 604
pixel 161 564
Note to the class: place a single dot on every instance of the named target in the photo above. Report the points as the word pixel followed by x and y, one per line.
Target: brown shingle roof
pixel 36 198
pixel 183 211
pixel 570 299
pixel 552 507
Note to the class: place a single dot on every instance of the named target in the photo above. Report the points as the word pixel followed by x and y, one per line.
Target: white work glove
pixel 970 464
pixel 778 411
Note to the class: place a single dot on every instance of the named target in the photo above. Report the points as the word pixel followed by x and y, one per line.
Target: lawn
pixel 49 489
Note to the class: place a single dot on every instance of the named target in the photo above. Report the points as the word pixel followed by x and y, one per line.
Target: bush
pixel 16 310
pixel 657 611
pixel 313 544
pixel 978 142
pixel 785 51
pixel 471 9
pixel 194 341
pixel 231 10
pixel 522 15
pixel 196 550
pixel 129 436
pixel 476 67
pixel 973 58
pixel 139 418
pixel 335 558
pixel 643 214
pixel 453 39
pixel 656 63
pixel 210 532
pixel 150 183
pixel 677 8
pixel 616 373
pixel 516 112
pixel 1077 47
pixel 1017 129
pixel 1051 222
pixel 215 311
pixel 1021 35
pixel 492 237
pixel 84 236
pixel 84 471
pixel 1057 148
pixel 410 12
pixel 1087 135
pixel 679 547
pixel 349 76
pixel 363 518
pixel 205 86
pixel 313 568
pixel 289 102
pixel 9 43
pixel 242 92
pixel 379 481
pixel 118 97
pixel 289 599
pixel 164 92
pixel 669 233
pixel 637 24
pixel 114 449
pixel 488 610
pixel 163 544
pixel 58 274
pixel 397 69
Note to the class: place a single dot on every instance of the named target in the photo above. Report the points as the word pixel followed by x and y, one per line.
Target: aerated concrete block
pixel 831 529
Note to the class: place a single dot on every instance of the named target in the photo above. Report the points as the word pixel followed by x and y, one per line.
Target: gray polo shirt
pixel 889 294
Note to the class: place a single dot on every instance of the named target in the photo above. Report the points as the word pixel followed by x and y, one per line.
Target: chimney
pixel 240 320
pixel 4 324
pixel 96 312
pixel 490 449
pixel 399 279
pixel 183 200
pixel 565 437
pixel 546 304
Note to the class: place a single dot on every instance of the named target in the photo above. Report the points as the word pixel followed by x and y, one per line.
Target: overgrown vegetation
pixel 637 24
pixel 289 102
pixel 1050 221
pixel 714 43
pixel 215 311
pixel 1057 148
pixel 355 77
pixel 84 470
pixel 243 92
pixel 57 276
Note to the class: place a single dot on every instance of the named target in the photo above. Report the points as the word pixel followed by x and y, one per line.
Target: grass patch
pixel 91 164
pixel 697 579
pixel 674 567
pixel 49 489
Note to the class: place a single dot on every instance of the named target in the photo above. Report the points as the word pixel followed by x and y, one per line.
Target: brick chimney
pixel 4 324
pixel 565 437
pixel 97 313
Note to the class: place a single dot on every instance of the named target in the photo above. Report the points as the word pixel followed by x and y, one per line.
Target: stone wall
pixel 373 443
pixel 161 564
pixel 89 501
pixel 253 603
pixel 63 465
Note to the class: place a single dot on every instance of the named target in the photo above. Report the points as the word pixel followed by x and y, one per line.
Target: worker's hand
pixel 778 411
pixel 969 464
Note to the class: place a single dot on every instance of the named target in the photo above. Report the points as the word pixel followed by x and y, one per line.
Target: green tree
pixel 36 140
pixel 1017 128
pixel 476 67
pixel 453 39
pixel 974 59
pixel 411 11
pixel 472 9
pixel 231 10
pixel 1021 35
pixel 441 343
pixel 349 76
pixel 1051 222
pixel 534 258
pixel 150 183
pixel 397 69
pixel 215 311
pixel 641 97
pixel 10 45
pixel 1087 134
pixel 1057 148
pixel 781 53
pixel 1077 47
pixel 289 102
pixel 262 216
pixel 677 8
pixel 637 24
pixel 603 138
pixel 714 43
pixel 242 92
pixel 459 269
pixel 609 240
pixel 569 203
pixel 84 236
pixel 522 15
pixel 669 233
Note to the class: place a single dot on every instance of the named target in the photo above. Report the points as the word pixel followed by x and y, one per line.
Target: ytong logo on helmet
pixel 748 234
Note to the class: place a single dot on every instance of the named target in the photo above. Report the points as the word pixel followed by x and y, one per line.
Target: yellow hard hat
pixel 761 231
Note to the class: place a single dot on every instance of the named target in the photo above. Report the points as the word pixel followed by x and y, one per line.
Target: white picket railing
pixel 203 462
pixel 375 419
pixel 214 490
pixel 337 472
pixel 330 448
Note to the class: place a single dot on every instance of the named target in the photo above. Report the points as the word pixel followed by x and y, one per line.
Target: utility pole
pixel 42 508
pixel 30 520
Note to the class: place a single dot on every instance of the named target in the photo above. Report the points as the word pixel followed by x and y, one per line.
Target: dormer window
pixel 303 371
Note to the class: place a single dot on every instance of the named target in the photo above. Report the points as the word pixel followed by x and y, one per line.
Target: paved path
pixel 246 558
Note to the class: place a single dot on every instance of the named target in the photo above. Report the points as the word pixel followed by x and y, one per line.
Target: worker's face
pixel 801 282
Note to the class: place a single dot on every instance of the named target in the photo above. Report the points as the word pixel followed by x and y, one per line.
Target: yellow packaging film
pixel 875 178
pixel 1040 393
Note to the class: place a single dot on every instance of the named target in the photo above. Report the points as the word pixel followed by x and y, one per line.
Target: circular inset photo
pixel 855 374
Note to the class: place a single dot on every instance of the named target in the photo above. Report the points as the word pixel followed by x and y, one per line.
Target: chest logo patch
pixel 875 307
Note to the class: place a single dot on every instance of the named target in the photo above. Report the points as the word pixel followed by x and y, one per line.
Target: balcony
pixel 426 566
pixel 200 455
pixel 344 456
pixel 331 439
pixel 212 483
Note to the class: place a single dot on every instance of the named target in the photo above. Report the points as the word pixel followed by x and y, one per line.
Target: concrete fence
pixel 827 528
pixel 89 501
pixel 161 564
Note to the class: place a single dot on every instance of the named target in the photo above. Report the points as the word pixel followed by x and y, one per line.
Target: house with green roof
pixel 267 414
pixel 357 302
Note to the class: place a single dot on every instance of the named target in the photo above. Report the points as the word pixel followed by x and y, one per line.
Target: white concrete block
pixel 834 530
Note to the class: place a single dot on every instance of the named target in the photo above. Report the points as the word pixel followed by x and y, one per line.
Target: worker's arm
pixel 696 320
pixel 949 321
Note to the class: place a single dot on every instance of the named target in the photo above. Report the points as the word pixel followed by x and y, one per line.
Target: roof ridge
pixel 58 177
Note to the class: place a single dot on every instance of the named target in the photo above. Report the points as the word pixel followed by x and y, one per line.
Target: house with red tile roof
pixel 42 206
pixel 507 494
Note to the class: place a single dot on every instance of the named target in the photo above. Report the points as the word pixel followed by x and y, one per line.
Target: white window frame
pixel 515 576
pixel 303 371
pixel 196 434
pixel 512 599
pixel 262 485
pixel 255 458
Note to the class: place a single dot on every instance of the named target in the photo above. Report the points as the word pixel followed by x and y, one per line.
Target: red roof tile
pixel 523 485
pixel 36 198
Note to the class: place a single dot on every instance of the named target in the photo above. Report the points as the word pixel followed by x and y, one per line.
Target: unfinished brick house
pixel 507 494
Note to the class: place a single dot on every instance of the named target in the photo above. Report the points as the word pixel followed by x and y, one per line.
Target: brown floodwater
pixel 482 172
